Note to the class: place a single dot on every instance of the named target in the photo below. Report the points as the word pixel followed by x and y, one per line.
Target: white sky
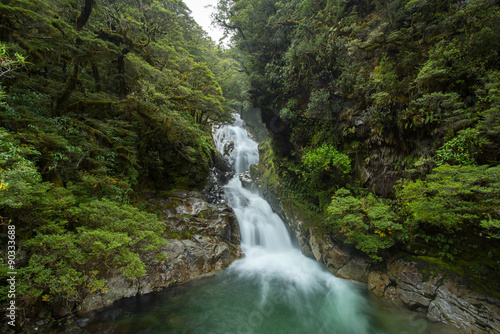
pixel 201 14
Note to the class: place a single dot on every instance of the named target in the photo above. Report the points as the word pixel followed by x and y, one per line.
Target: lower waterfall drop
pixel 284 278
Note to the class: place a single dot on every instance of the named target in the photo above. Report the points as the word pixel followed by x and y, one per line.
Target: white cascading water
pixel 281 271
pixel 274 289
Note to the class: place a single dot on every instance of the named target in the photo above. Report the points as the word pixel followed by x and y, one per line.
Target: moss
pixel 462 271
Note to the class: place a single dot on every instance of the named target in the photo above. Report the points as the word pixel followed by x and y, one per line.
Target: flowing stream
pixel 273 289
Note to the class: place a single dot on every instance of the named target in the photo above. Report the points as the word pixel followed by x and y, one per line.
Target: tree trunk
pixel 84 16
pixel 68 89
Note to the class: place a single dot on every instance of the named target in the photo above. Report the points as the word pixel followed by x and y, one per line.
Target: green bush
pixel 324 159
pixel 20 182
pixel 453 198
pixel 460 150
pixel 76 253
pixel 367 222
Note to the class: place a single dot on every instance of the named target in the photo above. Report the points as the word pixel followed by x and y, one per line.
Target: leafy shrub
pixel 319 104
pixel 460 150
pixel 20 181
pixel 367 222
pixel 431 108
pixel 453 198
pixel 324 158
pixel 75 254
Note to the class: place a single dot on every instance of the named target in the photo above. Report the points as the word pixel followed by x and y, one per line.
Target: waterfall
pixel 273 289
pixel 282 274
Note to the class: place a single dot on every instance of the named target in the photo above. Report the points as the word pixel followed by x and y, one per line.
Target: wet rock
pixel 441 300
pixel 316 247
pixel 378 282
pixel 355 269
pixel 413 300
pixel 222 168
pixel 392 295
pixel 228 148
pixel 403 283
pixel 220 173
pixel 465 309
pixel 247 182
pixel 304 243
pixel 341 262
pixel 118 287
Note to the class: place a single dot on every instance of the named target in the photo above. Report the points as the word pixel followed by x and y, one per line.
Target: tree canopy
pixel 402 92
pixel 99 101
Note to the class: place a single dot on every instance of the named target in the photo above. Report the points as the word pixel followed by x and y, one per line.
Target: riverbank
pixel 202 238
pixel 418 283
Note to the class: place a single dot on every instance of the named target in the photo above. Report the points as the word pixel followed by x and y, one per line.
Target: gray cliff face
pixel 441 299
pixel 402 281
pixel 207 240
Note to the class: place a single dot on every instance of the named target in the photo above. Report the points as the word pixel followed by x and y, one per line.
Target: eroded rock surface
pixel 441 299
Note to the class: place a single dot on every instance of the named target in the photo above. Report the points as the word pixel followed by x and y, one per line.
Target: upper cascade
pixel 233 142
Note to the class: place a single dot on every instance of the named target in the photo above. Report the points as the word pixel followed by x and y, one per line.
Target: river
pixel 273 289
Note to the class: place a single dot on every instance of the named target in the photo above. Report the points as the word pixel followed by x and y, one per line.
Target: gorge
pixel 274 288
pixel 379 156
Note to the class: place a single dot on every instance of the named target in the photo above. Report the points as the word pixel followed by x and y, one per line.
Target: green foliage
pixel 453 198
pixel 9 64
pixel 116 99
pixel 432 108
pixel 396 86
pixel 367 222
pixel 320 159
pixel 311 180
pixel 489 124
pixel 93 241
pixel 20 182
pixel 460 150
pixel 319 105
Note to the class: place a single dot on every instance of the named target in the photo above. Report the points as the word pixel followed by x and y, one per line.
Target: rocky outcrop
pixel 405 281
pixel 441 299
pixel 203 238
pixel 220 173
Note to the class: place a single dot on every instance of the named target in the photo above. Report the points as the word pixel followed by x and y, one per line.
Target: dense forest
pixel 383 116
pixel 100 101
pixel 384 119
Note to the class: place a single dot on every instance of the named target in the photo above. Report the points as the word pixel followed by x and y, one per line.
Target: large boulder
pixel 203 238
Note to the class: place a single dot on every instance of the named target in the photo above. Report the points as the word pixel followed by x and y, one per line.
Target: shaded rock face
pixel 342 260
pixel 220 173
pixel 208 240
pixel 403 283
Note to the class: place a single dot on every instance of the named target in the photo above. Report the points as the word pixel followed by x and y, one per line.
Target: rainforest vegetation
pixel 383 116
pixel 100 100
pixel 384 119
